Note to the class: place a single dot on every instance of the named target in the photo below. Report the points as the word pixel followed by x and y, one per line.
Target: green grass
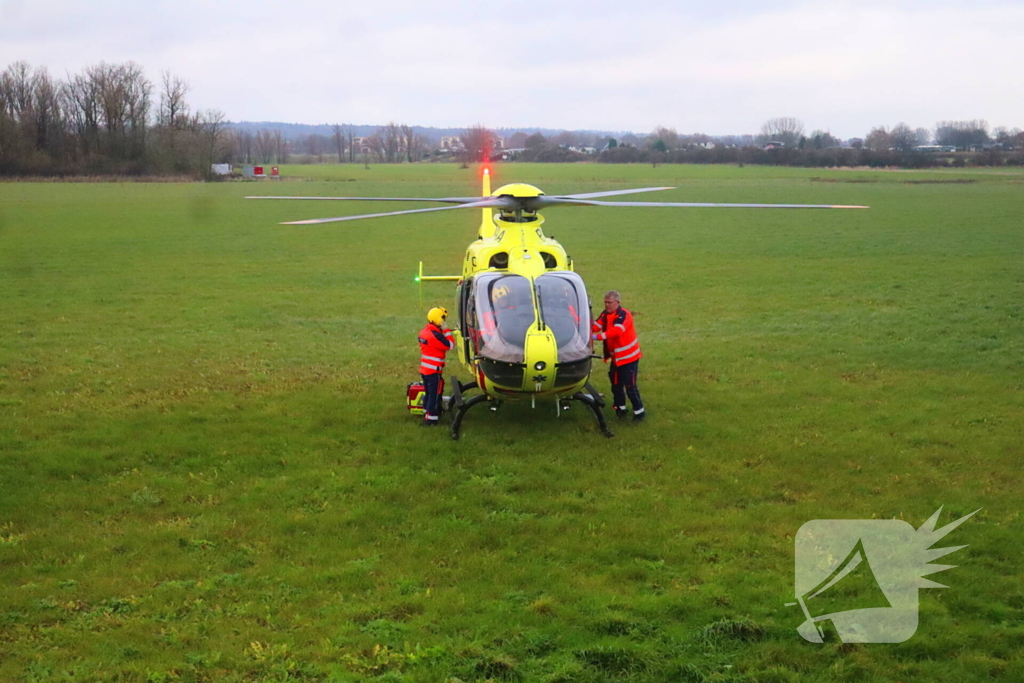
pixel 207 472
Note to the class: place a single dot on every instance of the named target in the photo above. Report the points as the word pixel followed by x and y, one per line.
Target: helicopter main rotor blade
pixel 555 201
pixel 610 193
pixel 480 204
pixel 449 200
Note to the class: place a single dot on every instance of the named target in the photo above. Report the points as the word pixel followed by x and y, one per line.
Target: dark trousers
pixel 623 380
pixel 433 385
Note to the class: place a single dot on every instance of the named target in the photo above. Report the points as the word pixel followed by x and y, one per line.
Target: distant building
pixel 774 144
pixel 452 144
pixel 362 145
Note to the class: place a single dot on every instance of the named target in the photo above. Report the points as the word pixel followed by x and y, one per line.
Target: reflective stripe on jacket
pixel 434 344
pixel 620 341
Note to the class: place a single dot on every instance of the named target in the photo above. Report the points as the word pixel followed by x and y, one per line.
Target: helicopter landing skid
pixel 593 400
pixel 460 405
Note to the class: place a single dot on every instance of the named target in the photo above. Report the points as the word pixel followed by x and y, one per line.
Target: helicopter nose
pixel 541 354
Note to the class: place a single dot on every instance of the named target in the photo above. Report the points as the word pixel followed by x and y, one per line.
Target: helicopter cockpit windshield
pixel 565 309
pixel 504 312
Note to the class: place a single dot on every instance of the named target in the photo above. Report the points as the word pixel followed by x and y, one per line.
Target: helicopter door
pixel 467 320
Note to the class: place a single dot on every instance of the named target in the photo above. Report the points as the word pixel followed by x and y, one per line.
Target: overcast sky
pixel 712 67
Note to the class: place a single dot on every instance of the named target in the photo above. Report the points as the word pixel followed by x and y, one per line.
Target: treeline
pixel 389 144
pixel 110 119
pixel 809 157
pixel 782 142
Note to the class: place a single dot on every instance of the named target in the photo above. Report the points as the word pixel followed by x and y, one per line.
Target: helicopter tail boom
pixel 486 217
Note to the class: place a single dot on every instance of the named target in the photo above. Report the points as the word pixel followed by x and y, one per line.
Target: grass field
pixel 207 472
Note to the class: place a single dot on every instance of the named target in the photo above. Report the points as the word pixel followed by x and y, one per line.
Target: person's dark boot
pixel 621 412
pixel 640 417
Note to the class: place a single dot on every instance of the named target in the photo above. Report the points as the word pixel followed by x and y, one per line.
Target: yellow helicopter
pixel 524 318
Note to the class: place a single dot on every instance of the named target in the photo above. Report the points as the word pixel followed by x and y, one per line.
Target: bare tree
pixel 81 99
pixel 785 129
pixel 43 120
pixel 420 146
pixel 280 147
pixel 314 145
pixel 902 138
pixel 242 143
pixel 923 135
pixel 962 134
pixel 668 136
pixel 123 96
pixel 878 140
pixel 211 129
pixel 409 140
pixel 351 133
pixel 16 90
pixel 377 148
pixel 391 142
pixel 15 110
pixel 478 143
pixel 263 146
pixel 173 108
pixel 821 139
pixel 535 140
pixel 11 140
pixel 339 141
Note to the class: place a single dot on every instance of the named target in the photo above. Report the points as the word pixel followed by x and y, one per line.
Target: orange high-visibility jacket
pixel 434 344
pixel 620 341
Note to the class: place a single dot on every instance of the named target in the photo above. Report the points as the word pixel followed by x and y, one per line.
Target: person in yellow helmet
pixel 435 340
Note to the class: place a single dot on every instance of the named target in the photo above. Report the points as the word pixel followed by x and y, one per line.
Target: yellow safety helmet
pixel 499 292
pixel 437 315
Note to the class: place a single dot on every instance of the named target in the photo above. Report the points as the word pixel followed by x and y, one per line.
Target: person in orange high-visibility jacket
pixel 435 340
pixel 622 347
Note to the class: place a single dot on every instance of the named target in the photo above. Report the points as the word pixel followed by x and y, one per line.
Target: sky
pixel 711 67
